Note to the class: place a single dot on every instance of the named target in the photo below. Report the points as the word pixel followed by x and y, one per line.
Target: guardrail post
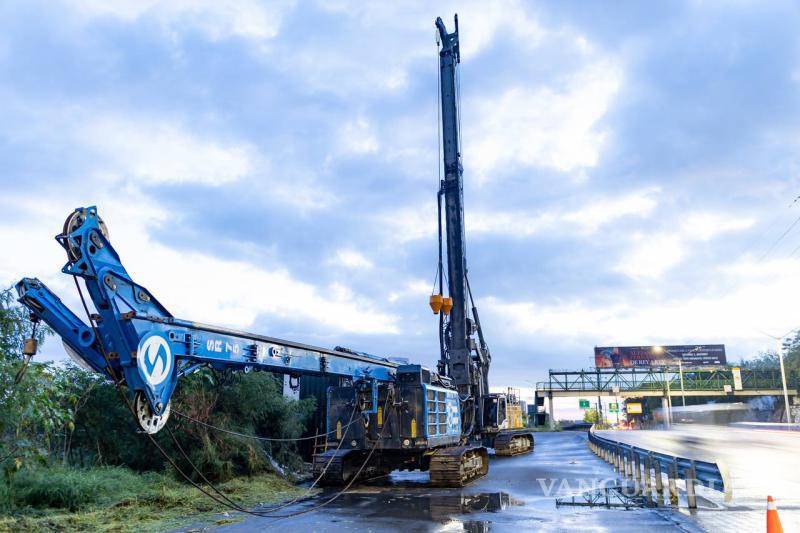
pixel 659 481
pixel 620 460
pixel 672 476
pixel 647 480
pixel 690 476
pixel 637 469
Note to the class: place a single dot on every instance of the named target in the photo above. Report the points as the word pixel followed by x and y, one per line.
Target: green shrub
pixel 252 404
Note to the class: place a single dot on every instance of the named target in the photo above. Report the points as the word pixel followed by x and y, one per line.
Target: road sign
pixel 634 408
pixel 737 378
pixel 613 408
pixel 583 404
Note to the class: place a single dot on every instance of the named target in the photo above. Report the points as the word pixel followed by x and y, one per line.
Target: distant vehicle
pixel 713 413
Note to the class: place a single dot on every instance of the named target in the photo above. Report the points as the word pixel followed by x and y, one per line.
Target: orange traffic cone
pixel 773 521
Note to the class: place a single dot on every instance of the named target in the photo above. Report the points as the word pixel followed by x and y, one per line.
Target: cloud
pixel 481 23
pixel 409 223
pixel 358 138
pixel 161 151
pixel 754 297
pixel 195 285
pixel 706 226
pixel 652 255
pixel 554 126
pixel 217 20
pixel 583 220
pixel 352 259
pixel 414 288
pixel 206 288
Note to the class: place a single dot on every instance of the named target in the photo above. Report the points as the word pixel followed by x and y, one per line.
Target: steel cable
pixel 225 501
pixel 285 504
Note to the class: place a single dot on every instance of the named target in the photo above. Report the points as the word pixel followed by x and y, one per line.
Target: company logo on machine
pixel 154 359
pixel 453 418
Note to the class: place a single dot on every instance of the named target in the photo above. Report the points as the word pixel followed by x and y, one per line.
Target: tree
pixel 36 403
pixel 763 361
pixel 769 360
pixel 591 416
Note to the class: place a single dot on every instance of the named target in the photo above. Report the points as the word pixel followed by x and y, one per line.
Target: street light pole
pixel 783 379
pixel 667 379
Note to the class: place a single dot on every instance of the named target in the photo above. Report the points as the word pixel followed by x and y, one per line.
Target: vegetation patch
pixel 71 457
pixel 118 499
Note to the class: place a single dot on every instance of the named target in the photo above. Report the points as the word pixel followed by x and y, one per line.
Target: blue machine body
pixel 144 346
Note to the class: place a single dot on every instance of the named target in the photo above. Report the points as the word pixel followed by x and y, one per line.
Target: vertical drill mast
pixel 470 375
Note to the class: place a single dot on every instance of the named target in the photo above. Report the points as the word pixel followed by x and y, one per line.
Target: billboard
pixel 637 356
pixel 633 408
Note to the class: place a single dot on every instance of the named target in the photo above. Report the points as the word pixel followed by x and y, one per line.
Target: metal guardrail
pixel 645 467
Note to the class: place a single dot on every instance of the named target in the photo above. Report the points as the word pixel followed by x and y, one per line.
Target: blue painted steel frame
pixel 149 348
pixel 452 410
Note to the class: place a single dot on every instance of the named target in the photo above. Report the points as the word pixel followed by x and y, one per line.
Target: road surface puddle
pixel 436 506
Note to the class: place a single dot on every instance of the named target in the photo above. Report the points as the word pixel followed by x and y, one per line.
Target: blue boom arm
pixel 138 342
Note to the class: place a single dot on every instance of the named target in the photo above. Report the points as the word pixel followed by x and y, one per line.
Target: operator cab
pixel 494 411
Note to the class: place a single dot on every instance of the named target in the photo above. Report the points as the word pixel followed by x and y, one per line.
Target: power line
pixel 779 239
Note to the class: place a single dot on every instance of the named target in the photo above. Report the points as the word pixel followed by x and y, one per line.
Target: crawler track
pixel 344 464
pixel 508 443
pixel 335 473
pixel 457 466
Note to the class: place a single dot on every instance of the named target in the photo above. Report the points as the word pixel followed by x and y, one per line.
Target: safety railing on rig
pixel 646 468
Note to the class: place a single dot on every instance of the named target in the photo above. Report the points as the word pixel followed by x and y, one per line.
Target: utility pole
pixel 783 379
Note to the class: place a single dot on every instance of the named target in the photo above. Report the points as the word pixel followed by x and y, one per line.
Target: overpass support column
pixel 665 409
pixel 551 420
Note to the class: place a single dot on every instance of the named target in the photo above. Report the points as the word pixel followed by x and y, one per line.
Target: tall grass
pixel 76 488
pixel 117 499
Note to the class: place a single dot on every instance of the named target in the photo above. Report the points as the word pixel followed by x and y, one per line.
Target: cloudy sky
pixel 629 171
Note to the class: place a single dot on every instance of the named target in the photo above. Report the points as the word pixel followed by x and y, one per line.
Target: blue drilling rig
pixel 383 416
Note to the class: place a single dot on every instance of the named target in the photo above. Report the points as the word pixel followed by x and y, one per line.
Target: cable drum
pixel 73 222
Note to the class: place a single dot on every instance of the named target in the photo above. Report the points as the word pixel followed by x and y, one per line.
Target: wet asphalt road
pixel 759 463
pixel 518 495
